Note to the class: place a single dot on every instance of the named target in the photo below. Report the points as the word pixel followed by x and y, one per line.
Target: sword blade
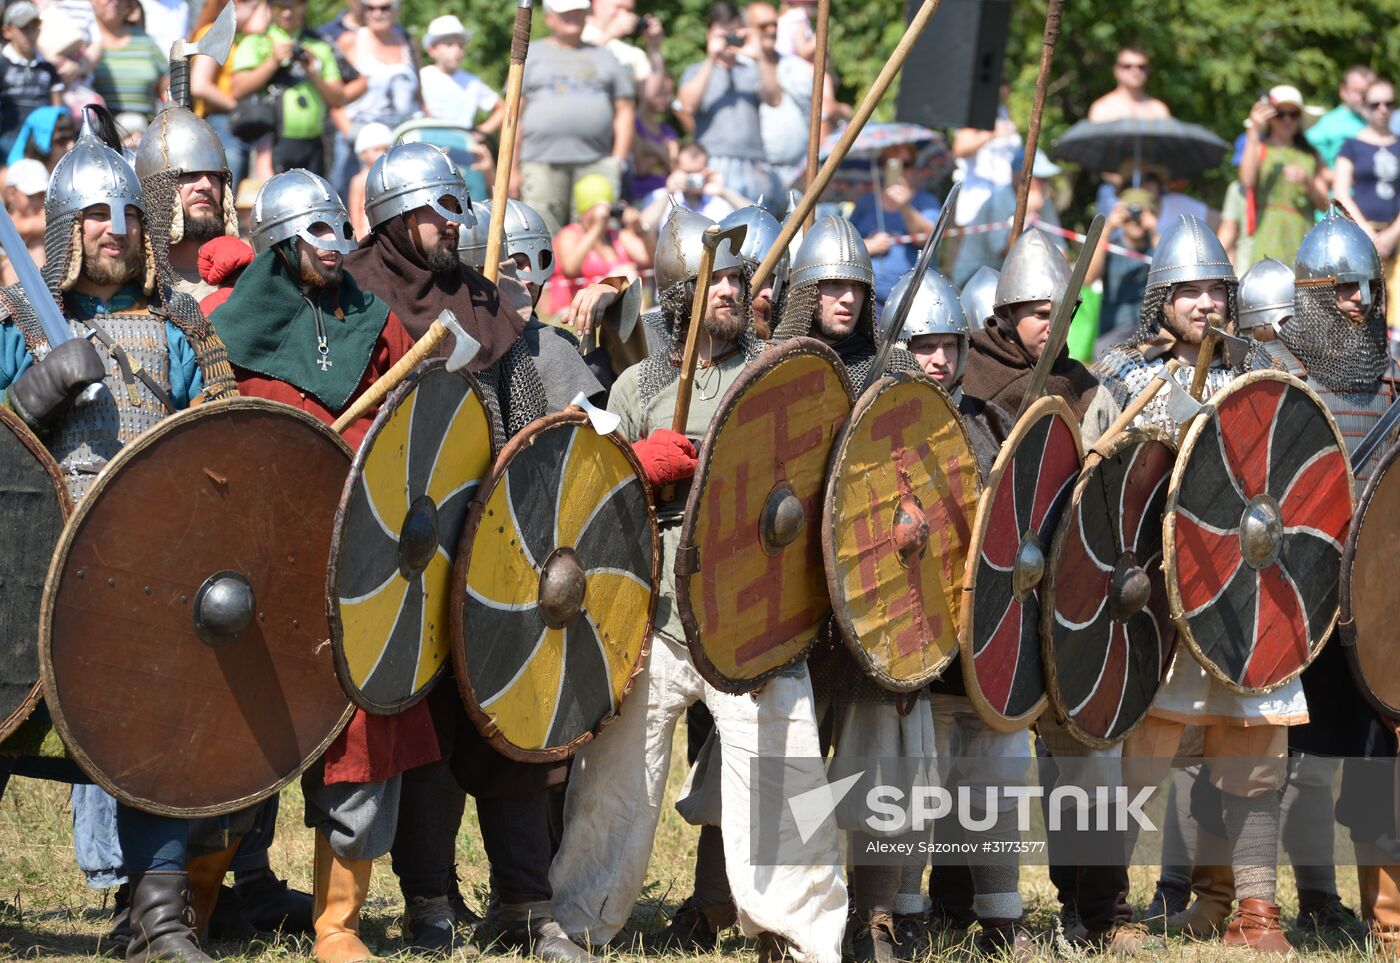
pixel 56 330
pixel 1374 437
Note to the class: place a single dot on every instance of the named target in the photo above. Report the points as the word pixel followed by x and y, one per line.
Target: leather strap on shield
pixel 1107 632
pixel 400 519
pixel 1020 510
pixel 183 640
pixel 749 577
pixel 554 588
pixel 1367 626
pixel 34 503
pixel 900 496
pixel 1258 508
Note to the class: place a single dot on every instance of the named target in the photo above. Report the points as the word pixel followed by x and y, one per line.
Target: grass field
pixel 48 914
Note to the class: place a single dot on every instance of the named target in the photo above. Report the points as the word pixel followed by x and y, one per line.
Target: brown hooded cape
pixel 999 370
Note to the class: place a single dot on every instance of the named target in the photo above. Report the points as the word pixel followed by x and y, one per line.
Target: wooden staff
pixel 1204 356
pixel 816 185
pixel 505 158
pixel 1047 53
pixel 814 130
pixel 691 352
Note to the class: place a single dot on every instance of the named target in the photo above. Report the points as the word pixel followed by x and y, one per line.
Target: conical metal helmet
pixel 525 233
pixel 1266 295
pixel 977 296
pixel 761 231
pixel 92 173
pixel 1337 251
pixel 937 309
pixel 1035 270
pixel 409 176
pixel 678 249
pixel 832 251
pixel 1189 251
pixel 293 202
pixel 179 140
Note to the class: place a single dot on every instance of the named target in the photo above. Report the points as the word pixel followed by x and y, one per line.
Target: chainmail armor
pixel 513 391
pixel 667 328
pixel 1337 354
pixel 1126 373
pixel 165 215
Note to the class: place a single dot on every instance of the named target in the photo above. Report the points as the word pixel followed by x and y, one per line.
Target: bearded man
pixel 152 353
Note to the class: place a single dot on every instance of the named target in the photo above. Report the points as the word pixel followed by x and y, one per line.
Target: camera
pixel 299 55
pixel 643 22
pixel 1135 213
pixel 694 183
pixel 734 40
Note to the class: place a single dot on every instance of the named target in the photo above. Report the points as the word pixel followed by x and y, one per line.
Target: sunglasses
pixel 1378 104
pixel 378 8
pixel 1131 66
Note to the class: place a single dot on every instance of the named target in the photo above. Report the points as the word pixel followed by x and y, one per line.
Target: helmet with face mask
pixel 292 204
pixel 936 309
pixel 412 176
pixel 525 233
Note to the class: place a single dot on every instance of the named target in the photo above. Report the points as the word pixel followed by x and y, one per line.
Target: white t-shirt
pixel 460 97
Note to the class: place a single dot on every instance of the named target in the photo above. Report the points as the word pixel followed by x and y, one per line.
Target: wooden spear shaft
pixel 814 130
pixel 816 185
pixel 425 347
pixel 1047 54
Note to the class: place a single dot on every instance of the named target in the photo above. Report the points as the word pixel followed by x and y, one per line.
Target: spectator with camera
pixel 295 70
pixel 1132 223
pixel 606 240
pixel 693 185
pixel 615 25
pixel 897 210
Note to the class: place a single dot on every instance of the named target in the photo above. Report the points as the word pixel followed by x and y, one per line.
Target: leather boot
pixel 695 927
pixel 874 941
pixel 1006 939
pixel 206 876
pixel 1256 926
pixel 341 886
pixel 270 905
pixel 1214 887
pixel 549 942
pixel 1383 911
pixel 162 922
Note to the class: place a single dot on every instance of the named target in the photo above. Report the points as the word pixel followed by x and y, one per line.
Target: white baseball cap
pixel 443 27
pixel 28 176
pixel 373 134
pixel 567 6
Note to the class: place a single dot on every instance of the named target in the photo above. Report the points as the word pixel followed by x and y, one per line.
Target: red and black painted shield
pixel 1259 504
pixel 1367 626
pixel 1108 636
pixel 554 588
pixel 1020 510
pixel 34 504
pixel 184 644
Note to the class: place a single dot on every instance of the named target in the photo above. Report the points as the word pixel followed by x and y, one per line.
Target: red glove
pixel 666 457
pixel 221 259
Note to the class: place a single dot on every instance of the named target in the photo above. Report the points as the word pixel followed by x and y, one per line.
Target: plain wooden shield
pixel 1258 508
pixel 1107 631
pixel 1026 494
pixel 185 651
pixel 554 588
pixel 401 516
pixel 1369 561
pixel 900 496
pixel 34 503
pixel 750 584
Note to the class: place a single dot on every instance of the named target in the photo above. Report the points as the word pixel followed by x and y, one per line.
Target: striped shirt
pixel 126 77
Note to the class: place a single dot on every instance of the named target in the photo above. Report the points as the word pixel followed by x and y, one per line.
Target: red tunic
pixel 372 748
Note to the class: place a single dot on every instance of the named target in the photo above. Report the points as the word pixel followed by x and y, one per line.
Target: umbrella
pixel 859 171
pixel 1183 149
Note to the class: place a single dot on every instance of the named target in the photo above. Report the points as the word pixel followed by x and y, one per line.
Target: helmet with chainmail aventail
pixel 831 251
pixel 1188 251
pixel 409 176
pixel 525 232
pixel 178 143
pixel 1266 295
pixel 1339 352
pixel 936 310
pixel 292 204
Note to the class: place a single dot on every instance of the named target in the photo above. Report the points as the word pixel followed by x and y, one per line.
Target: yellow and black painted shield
pixel 555 588
pixel 400 518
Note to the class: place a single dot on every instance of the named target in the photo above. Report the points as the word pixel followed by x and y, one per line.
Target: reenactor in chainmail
pixel 189 194
pixel 761 230
pixel 150 353
pixel 1336 343
pixel 618 780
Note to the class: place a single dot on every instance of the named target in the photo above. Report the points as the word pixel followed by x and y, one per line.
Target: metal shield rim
pixel 457 606
pixel 833 580
pixel 128 452
pixel 1050 405
pixel 41 454
pixel 755 369
pixel 1189 438
pixel 1346 626
pixel 386 411
pixel 1129 438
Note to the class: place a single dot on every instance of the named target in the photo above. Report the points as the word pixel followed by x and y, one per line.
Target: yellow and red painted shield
pixel 900 497
pixel 554 589
pixel 749 577
pixel 400 519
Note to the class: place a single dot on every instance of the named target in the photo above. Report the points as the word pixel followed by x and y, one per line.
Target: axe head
pixel 623 313
pixel 464 346
pixel 604 422
pixel 1232 348
pixel 1180 405
pixel 216 42
pixel 735 234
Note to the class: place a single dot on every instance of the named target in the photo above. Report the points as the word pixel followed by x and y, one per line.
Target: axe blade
pixel 217 41
pixel 623 313
pixel 1180 405
pixel 1233 348
pixel 734 234
pixel 464 346
pixel 604 422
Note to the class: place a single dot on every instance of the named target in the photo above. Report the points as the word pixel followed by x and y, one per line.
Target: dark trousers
pixel 151 842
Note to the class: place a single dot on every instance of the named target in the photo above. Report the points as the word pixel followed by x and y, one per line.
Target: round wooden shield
pixel 1367 626
pixel 185 652
pixel 34 503
pixel 749 577
pixel 1107 633
pixel 1260 500
pixel 400 519
pixel 554 588
pixel 900 496
pixel 1017 518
